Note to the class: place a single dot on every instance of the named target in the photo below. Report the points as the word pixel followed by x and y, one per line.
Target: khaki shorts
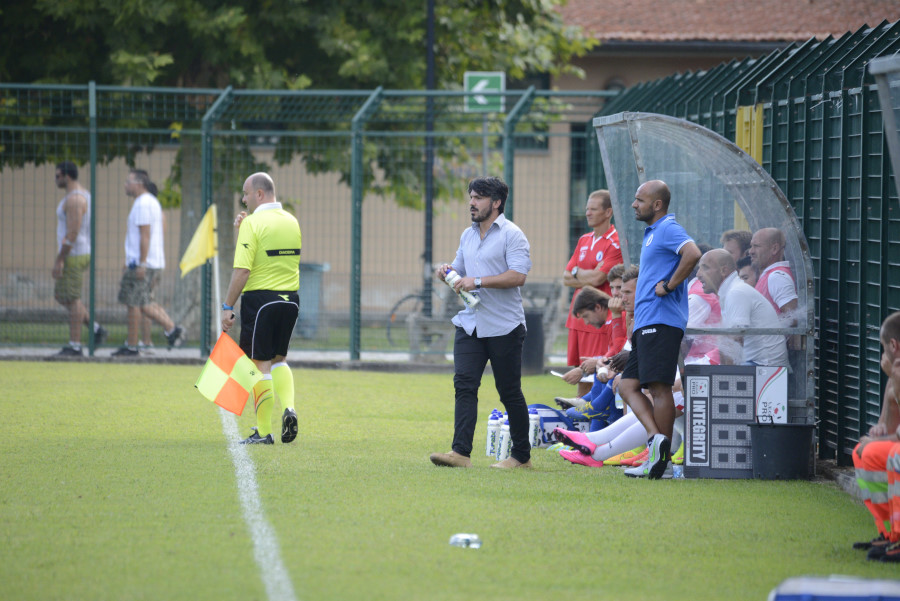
pixel 136 292
pixel 68 287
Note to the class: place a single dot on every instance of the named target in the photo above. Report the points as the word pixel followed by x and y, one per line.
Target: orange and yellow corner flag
pixel 228 376
pixel 203 245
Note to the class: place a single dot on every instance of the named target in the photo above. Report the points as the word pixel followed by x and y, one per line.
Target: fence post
pixel 206 162
pixel 92 275
pixel 356 192
pixel 509 145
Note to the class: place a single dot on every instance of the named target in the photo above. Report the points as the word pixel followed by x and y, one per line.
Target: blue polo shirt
pixel 659 259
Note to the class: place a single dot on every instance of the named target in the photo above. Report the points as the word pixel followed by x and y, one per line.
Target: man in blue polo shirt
pixel 668 255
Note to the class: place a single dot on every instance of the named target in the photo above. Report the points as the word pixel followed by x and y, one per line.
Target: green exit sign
pixel 484 81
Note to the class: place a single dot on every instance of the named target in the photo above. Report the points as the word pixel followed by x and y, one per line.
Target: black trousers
pixel 470 356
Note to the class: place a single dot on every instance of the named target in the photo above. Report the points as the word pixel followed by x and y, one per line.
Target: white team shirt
pixel 781 285
pixel 742 307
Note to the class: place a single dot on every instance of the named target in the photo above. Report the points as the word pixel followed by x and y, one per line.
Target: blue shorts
pixel 654 355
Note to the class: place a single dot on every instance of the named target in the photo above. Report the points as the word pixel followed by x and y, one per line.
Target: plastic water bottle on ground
pixel 493 434
pixel 505 445
pixel 534 427
pixel 466 541
pixel 677 471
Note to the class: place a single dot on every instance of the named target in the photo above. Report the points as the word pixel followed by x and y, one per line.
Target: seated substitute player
pixel 613 331
pixel 267 278
pixel 592 306
pixel 877 456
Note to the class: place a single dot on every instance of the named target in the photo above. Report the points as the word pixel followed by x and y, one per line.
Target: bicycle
pixel 445 304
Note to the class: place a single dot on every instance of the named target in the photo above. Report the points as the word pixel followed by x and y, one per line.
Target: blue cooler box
pixel 836 588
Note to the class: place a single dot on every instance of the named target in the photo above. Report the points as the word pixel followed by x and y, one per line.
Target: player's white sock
pixel 633 437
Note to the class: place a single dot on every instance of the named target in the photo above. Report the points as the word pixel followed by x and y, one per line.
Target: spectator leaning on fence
pixel 144 261
pixel 73 257
pixel 877 456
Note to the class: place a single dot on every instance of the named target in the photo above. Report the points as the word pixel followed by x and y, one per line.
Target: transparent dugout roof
pixel 715 187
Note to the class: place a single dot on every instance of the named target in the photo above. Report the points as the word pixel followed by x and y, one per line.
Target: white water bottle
pixel 493 434
pixel 505 445
pixel 534 427
pixel 450 278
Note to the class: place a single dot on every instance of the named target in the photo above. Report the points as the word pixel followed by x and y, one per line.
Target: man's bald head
pixel 651 201
pixel 771 235
pixel 721 258
pixel 258 189
pixel 658 189
pixel 262 181
pixel 715 265
pixel 767 247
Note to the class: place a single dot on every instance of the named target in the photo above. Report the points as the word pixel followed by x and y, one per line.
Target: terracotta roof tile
pixel 725 20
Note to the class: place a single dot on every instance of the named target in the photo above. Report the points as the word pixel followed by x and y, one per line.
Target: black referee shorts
pixel 267 322
pixel 654 355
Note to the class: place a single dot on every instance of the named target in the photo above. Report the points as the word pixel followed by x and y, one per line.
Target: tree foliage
pixel 286 44
pixel 266 44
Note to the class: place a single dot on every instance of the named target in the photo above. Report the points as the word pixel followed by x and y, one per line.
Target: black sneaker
pixel 876 553
pixel 68 351
pixel 100 335
pixel 126 352
pixel 288 425
pixel 891 553
pixel 255 438
pixel 176 337
pixel 868 544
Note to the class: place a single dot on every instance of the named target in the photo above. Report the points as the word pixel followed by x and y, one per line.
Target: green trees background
pixel 280 44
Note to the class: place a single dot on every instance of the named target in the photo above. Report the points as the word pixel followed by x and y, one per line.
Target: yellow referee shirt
pixel 268 245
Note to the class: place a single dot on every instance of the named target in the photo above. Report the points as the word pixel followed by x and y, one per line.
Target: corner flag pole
pixel 216 326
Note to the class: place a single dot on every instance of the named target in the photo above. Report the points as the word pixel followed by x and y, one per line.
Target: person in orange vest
pixel 877 456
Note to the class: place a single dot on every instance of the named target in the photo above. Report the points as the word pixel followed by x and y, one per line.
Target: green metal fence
pixel 823 143
pixel 357 168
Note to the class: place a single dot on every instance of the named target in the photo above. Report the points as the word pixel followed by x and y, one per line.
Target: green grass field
pixel 118 483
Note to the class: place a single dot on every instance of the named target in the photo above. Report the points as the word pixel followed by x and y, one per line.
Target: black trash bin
pixel 781 451
pixel 533 347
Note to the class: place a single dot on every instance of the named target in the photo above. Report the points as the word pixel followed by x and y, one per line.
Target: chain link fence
pixel 377 179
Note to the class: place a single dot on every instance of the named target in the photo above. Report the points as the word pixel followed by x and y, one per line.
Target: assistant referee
pixel 267 277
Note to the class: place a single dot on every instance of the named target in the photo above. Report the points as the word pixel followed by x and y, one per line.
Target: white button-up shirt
pixel 504 247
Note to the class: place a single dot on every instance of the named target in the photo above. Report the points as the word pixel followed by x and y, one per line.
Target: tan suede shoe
pixel 451 459
pixel 510 463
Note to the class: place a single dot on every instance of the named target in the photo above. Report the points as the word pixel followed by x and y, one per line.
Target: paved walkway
pixel 369 360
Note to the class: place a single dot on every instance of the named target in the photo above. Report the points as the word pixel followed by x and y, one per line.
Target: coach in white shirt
pixel 742 307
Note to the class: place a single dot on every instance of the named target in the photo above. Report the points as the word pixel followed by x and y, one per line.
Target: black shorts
pixel 654 355
pixel 267 322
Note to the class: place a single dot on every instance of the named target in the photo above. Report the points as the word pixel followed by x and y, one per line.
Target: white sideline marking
pixel 265 543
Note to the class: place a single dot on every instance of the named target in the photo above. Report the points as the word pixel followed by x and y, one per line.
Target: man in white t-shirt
pixel 144 261
pixel 742 307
